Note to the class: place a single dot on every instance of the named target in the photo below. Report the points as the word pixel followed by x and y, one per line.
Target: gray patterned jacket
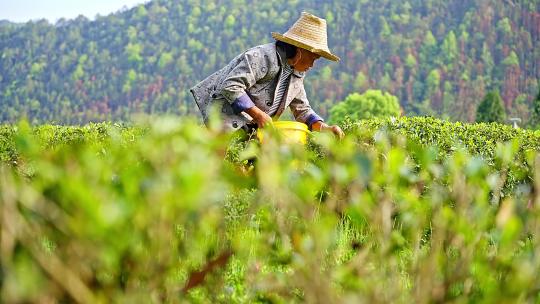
pixel 251 79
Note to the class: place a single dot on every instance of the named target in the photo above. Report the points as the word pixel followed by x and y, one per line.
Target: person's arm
pixel 322 127
pixel 247 71
pixel 303 112
pixel 260 117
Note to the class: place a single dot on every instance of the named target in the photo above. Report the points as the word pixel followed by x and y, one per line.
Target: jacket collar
pixel 281 54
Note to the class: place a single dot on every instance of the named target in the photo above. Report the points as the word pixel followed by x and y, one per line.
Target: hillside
pixel 438 57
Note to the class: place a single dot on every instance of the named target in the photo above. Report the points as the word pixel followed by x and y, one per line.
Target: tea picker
pixel 255 88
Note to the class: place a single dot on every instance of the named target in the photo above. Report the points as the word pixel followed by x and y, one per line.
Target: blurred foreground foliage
pixel 401 210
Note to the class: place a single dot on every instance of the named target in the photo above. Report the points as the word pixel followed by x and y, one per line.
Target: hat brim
pixel 300 44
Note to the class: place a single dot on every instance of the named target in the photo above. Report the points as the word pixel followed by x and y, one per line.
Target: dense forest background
pixel 438 57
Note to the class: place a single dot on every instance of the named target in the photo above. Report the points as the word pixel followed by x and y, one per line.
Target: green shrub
pixel 491 109
pixel 371 104
pixel 392 213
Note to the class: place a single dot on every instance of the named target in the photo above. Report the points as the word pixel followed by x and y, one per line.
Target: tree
pixel 428 50
pixel 450 48
pixel 537 104
pixel 165 59
pixel 360 81
pixel 373 103
pixel 491 109
pixel 511 60
pixel 410 61
pixel 535 117
pixel 230 21
pixel 133 53
pixel 504 26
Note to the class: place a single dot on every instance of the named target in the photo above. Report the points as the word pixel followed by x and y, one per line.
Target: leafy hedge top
pixel 479 139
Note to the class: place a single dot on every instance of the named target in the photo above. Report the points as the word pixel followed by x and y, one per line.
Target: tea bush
pixel 172 212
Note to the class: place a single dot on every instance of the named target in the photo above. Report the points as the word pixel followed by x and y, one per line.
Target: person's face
pixel 303 60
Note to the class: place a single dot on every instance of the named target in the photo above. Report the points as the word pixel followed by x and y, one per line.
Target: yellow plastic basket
pixel 291 131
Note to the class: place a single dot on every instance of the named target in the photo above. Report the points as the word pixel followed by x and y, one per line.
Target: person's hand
pixel 322 127
pixel 261 118
pixel 337 131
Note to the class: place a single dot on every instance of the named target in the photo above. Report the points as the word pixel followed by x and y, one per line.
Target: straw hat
pixel 309 33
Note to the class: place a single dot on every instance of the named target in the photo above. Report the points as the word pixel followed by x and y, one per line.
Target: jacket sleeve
pixel 250 67
pixel 302 111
